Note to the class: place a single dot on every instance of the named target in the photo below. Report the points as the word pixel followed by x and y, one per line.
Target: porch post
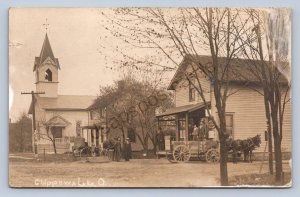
pixel 87 136
pixel 104 134
pixel 94 136
pixel 177 128
pixel 100 133
pixel 97 138
pixel 186 137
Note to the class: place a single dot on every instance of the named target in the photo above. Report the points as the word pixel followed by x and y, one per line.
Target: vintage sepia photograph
pixel 150 97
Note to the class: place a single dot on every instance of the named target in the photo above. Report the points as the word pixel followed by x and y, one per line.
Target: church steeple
pixel 46 67
pixel 46 50
pixel 45 53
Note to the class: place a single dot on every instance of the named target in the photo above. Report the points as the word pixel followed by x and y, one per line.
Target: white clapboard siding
pixel 182 91
pixel 248 109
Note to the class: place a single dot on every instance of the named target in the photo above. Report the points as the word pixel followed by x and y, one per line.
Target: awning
pixel 181 109
pixel 96 125
pixel 57 121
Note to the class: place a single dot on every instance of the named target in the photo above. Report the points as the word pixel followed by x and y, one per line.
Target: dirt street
pixel 135 173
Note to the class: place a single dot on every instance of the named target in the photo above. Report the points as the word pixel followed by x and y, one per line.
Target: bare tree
pixel 131 105
pixel 176 34
pixel 49 133
pixel 269 63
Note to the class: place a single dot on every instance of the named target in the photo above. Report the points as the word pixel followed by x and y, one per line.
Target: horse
pixel 249 145
pixel 109 144
pixel 246 146
pixel 115 145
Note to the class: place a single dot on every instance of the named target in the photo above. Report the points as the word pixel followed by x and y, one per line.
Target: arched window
pixel 48 75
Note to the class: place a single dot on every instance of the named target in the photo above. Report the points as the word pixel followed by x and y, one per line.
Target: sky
pixel 74 38
pixel 79 39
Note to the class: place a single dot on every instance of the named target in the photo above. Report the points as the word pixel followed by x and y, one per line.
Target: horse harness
pixel 250 144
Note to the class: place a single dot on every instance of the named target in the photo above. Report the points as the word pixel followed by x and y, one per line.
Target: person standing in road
pixel 117 150
pixel 127 150
pixel 161 139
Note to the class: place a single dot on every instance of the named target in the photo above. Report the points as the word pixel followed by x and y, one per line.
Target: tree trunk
pixel 54 146
pixel 270 146
pixel 222 136
pixel 270 149
pixel 154 146
pixel 278 159
pixel 223 162
pixel 123 135
pixel 223 151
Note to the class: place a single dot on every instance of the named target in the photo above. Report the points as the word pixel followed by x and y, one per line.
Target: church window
pixel 48 75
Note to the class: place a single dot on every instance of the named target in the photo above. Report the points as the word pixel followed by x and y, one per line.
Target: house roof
pixel 64 102
pixel 45 53
pixel 181 109
pixel 239 69
pixel 57 121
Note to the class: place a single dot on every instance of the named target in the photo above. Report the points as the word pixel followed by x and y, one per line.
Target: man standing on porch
pixel 195 133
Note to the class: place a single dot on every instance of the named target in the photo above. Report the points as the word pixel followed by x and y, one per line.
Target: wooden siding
pixel 247 107
pixel 43 116
pixel 182 91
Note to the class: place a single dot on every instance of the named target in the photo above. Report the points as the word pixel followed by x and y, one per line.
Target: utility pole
pixel 33 119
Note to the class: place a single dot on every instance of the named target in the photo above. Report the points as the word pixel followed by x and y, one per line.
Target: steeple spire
pixel 46 50
pixel 45 53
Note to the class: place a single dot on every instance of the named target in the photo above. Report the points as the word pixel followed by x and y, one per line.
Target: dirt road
pixel 135 173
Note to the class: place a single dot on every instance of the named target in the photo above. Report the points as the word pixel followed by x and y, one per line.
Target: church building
pixel 59 117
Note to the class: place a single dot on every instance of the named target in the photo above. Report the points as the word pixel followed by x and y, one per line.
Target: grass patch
pixel 259 179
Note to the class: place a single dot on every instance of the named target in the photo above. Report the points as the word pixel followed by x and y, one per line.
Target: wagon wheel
pixel 181 153
pixel 171 158
pixel 76 153
pixel 212 155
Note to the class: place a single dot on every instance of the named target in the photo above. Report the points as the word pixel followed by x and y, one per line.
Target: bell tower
pixel 46 68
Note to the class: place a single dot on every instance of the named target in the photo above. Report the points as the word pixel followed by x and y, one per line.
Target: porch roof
pixel 57 121
pixel 181 109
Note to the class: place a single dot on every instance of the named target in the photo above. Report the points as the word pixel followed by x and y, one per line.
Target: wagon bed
pixel 182 151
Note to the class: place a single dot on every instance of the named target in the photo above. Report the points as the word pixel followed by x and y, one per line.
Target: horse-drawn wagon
pixel 183 151
pixel 82 149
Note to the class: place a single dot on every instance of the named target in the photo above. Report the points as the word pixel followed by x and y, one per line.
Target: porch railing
pixel 62 140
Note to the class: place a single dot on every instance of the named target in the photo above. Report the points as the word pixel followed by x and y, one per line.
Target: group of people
pixel 199 133
pixel 202 132
pixel 117 153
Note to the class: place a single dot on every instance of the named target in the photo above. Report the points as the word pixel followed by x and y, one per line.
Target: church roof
pixel 45 53
pixel 64 102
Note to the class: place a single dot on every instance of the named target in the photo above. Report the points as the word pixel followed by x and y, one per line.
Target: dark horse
pixel 246 146
pixel 109 144
pixel 115 145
